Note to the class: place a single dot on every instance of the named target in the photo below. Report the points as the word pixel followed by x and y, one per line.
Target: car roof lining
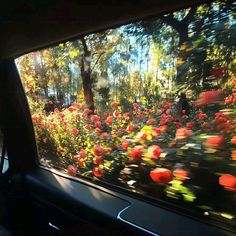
pixel 30 25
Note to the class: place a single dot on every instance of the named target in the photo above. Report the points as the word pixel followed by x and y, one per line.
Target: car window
pixel 149 106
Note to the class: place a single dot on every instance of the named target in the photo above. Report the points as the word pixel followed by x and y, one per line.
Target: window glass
pixel 149 106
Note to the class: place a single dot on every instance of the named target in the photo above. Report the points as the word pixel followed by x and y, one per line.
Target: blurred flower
pixel 208 97
pixel 125 145
pixel 190 125
pixel 136 153
pixel 109 120
pixel 97 171
pixel 233 155
pixel 98 150
pixel 114 104
pixel 154 151
pixel 150 121
pixel 182 133
pixel 215 141
pixel 75 131
pixel 233 140
pixel 95 118
pixel 82 153
pixel 161 176
pixel 181 174
pixel 71 170
pixel 228 182
pixel 116 113
pixel 130 128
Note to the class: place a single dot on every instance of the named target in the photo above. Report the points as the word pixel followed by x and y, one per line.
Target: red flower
pixel 95 118
pixel 178 125
pixel 215 142
pixel 125 145
pixel 87 126
pixel 109 120
pixel 229 100
pixel 205 125
pixel 97 160
pixel 97 172
pixel 82 153
pixel 190 125
pixel 209 97
pixel 161 176
pixel 163 121
pixel 98 150
pixel 182 133
pixel 219 72
pixel 136 153
pixel 143 136
pixel 185 117
pixel 150 121
pixel 228 182
pixel 156 130
pixel 104 135
pixel 130 128
pixel 98 124
pixel 233 140
pixel 71 108
pixel 116 113
pixel 135 105
pixel 75 131
pixel 154 151
pixel 114 104
pixel 71 170
pixel 86 112
pixel 201 116
pixel 181 174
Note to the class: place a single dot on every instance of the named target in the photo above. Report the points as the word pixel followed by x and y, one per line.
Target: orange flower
pixel 125 145
pixel 228 182
pixel 215 142
pixel 182 133
pixel 109 120
pixel 161 176
pixel 71 108
pixel 233 155
pixel 233 140
pixel 150 121
pixel 181 174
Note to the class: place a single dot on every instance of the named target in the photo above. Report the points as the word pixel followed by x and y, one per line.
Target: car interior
pixel 41 199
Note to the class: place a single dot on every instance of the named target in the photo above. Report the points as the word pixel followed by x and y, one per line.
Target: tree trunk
pixel 184 42
pixel 86 76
